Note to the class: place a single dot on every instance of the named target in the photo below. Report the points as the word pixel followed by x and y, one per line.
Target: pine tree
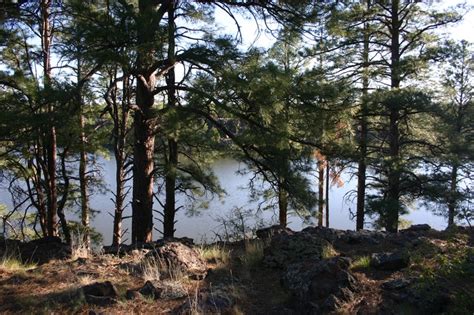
pixel 403 28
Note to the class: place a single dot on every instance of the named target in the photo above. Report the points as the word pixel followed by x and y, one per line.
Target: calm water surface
pixel 204 226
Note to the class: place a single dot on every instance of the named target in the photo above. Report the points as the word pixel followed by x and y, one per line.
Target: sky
pixel 463 30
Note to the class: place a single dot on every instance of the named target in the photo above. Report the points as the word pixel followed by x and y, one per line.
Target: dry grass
pixel 79 248
pixel 156 268
pixel 215 253
pixel 85 280
pixel 253 254
pixel 12 262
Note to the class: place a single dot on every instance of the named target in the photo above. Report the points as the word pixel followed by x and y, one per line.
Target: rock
pixel 181 257
pixel 159 290
pixel 417 228
pixel 43 250
pixel 320 285
pixel 173 291
pixel 428 300
pixel 269 232
pixel 361 237
pixel 389 261
pixel 150 290
pixel 136 250
pixel 133 295
pixel 183 240
pixel 100 289
pixel 330 235
pixel 287 249
pixel 396 284
pixel 100 293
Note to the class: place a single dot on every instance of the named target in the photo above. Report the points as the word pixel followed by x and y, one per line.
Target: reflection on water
pixel 207 224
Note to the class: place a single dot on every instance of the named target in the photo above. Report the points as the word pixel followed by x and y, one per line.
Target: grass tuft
pixel 217 253
pixel 361 263
pixel 329 252
pixel 253 254
pixel 156 268
pixel 12 262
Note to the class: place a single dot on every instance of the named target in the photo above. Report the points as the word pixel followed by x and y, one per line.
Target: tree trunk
pixel 452 195
pixel 143 164
pixel 320 192
pixel 393 191
pixel 85 213
pixel 172 162
pixel 144 126
pixel 362 166
pixel 327 193
pixel 46 36
pixel 62 203
pixel 40 202
pixel 120 118
pixel 282 206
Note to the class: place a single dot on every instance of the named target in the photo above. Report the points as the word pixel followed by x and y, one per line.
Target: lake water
pixel 204 226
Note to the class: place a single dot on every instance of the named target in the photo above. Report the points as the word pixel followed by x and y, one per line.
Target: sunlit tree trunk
pixel 144 126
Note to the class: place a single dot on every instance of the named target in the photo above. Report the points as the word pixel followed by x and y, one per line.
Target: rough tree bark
pixel 172 162
pixel 85 213
pixel 144 123
pixel 51 143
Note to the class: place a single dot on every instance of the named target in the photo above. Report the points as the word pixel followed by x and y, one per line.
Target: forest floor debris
pixel 436 277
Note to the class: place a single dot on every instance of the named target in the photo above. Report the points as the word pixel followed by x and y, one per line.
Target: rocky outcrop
pixel 287 249
pixel 350 237
pixel 320 286
pixel 269 232
pixel 418 228
pixel 123 249
pixel 177 256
